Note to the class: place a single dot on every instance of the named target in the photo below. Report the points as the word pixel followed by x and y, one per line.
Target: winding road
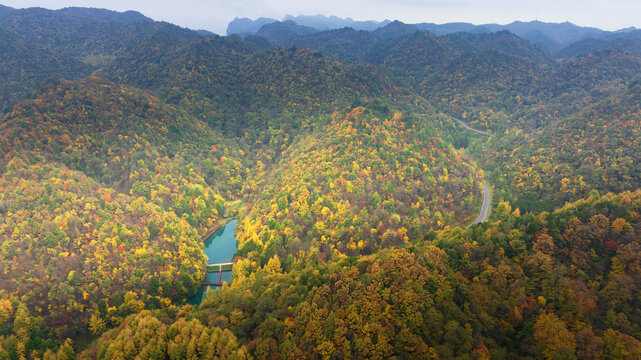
pixel 485 208
pixel 468 127
pixel 487 196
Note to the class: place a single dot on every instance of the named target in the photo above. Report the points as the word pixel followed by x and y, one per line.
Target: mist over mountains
pixel 399 191
pixel 550 36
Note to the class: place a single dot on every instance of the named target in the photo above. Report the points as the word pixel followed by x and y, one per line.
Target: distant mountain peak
pixel 245 26
pixel 396 29
pixel 128 16
pixel 282 32
pixel 5 8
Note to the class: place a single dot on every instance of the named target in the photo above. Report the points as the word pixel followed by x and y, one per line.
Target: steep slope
pixel 494 80
pixel 202 75
pixel 344 44
pixel 627 42
pixel 372 179
pixel 598 149
pixel 411 54
pixel 237 90
pixel 245 26
pixel 501 41
pixel 74 122
pixel 306 82
pixel 422 52
pixel 104 14
pixel 557 285
pixel 38 44
pixel 501 82
pixel 480 87
pixel 82 36
pixel 595 71
pixel 281 32
pixel 106 195
pixel 73 248
pixel 132 142
pixel 472 76
pixel 24 64
pixel 568 88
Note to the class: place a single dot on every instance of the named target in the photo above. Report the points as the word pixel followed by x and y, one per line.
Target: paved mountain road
pixel 487 196
pixel 485 208
pixel 468 127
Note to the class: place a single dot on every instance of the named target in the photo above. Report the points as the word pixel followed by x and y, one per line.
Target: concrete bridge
pixel 221 267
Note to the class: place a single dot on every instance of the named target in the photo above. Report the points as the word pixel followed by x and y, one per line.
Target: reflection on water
pixel 219 247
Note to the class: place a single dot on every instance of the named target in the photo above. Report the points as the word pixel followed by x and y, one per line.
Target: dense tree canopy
pixel 124 142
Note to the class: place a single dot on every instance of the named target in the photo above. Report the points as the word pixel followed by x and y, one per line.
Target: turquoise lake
pixel 219 247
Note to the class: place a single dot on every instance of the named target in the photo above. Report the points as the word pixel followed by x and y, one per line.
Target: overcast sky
pixel 214 15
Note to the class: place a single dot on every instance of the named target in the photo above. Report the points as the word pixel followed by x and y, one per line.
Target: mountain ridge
pixel 550 36
pixel 126 141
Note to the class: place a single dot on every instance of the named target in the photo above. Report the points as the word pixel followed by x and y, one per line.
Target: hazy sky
pixel 214 15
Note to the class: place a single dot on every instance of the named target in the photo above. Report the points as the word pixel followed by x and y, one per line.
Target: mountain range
pixel 553 37
pixel 357 158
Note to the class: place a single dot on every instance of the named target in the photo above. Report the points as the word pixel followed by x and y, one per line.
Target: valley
pixel 379 191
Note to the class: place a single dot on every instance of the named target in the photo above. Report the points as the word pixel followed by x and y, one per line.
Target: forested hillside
pixel 24 65
pixel 354 162
pixel 553 285
pixel 595 150
pixel 373 179
pixel 236 90
pixel 495 80
pixel 38 44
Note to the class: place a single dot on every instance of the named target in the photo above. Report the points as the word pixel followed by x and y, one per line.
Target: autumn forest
pixel 355 160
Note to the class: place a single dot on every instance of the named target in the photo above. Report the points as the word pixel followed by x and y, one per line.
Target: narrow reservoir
pixel 219 247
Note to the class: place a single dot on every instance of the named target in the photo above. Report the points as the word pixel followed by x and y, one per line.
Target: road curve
pixel 468 127
pixel 487 196
pixel 485 208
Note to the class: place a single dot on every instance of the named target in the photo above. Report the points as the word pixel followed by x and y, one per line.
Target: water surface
pixel 219 247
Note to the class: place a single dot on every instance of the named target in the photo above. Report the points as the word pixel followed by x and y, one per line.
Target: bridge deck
pixel 211 271
pixel 221 264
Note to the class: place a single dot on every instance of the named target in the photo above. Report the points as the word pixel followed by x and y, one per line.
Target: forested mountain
pixel 549 36
pixel 554 285
pixel 280 33
pixel 373 179
pixel 24 64
pixel 396 37
pixel 628 41
pixel 5 9
pixel 344 44
pixel 553 37
pixel 244 26
pixel 81 36
pixel 77 244
pixel 105 15
pixel 594 150
pixel 237 90
pixel 354 161
pixel 68 43
pixel 322 22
